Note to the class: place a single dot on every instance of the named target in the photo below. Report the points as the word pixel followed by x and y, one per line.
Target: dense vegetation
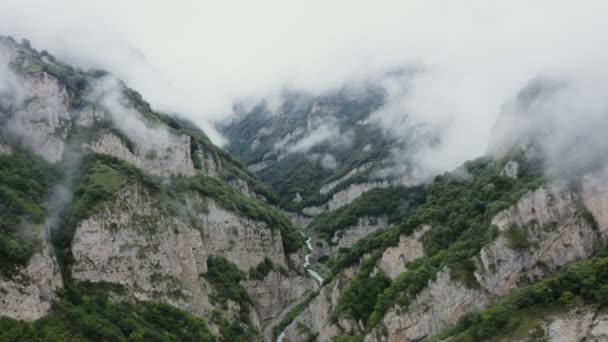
pixel 395 203
pixel 25 181
pixel 459 207
pixel 262 270
pixel 586 280
pixel 77 317
pixel 225 278
pixel 359 296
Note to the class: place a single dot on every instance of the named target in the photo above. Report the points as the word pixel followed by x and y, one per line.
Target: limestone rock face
pixel 242 241
pixel 595 197
pixel 581 323
pixel 276 291
pixel 316 315
pixel 167 156
pixel 27 293
pixel 556 230
pixel 394 260
pixel 43 119
pixel 329 186
pixel 6 150
pixel 151 255
pixel 442 303
pixel 511 169
pixel 352 192
pixel 365 226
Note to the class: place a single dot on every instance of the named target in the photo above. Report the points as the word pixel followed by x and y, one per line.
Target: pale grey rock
pixel 330 186
pixel 571 326
pixel 150 254
pixel 595 197
pixel 394 260
pixel 556 230
pixel 242 241
pixel 511 169
pixel 259 166
pixel 316 315
pixel 241 186
pixel 169 155
pixel 275 292
pixel 365 225
pixel 211 165
pixel 42 121
pixel 6 150
pixel 352 192
pixel 27 294
pixel 313 211
pixel 441 304
pixel 298 219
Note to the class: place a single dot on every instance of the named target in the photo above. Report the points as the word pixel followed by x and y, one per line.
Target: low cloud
pixel 565 119
pixel 204 56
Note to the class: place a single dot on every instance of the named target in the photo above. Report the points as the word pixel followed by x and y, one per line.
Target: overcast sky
pixel 197 57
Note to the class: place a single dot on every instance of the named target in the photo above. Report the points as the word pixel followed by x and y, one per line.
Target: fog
pixel 199 57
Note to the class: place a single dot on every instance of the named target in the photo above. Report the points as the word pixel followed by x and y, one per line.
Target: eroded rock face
pixel 276 291
pixel 442 303
pixel 151 255
pixel 6 150
pixel 165 157
pixel 155 255
pixel 27 293
pixel 365 226
pixel 394 260
pixel 242 241
pixel 557 231
pixel 352 192
pixel 315 318
pixel 595 196
pixel 586 323
pixel 211 165
pixel 329 186
pixel 511 169
pixel 551 220
pixel 42 121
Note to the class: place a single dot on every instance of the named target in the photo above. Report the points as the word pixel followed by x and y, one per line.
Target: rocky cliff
pixel 150 201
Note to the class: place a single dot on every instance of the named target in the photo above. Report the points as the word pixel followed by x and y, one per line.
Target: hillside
pixel 119 222
pixel 129 215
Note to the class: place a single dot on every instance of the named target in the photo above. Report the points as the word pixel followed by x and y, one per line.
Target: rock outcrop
pixel 149 253
pixel 556 232
pixel 166 158
pixel 350 235
pixel 28 291
pixel 553 229
pixel 442 303
pixel 43 119
pixel 276 291
pixel 315 319
pixel 394 260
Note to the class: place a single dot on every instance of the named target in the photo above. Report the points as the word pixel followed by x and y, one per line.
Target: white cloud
pixel 197 57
